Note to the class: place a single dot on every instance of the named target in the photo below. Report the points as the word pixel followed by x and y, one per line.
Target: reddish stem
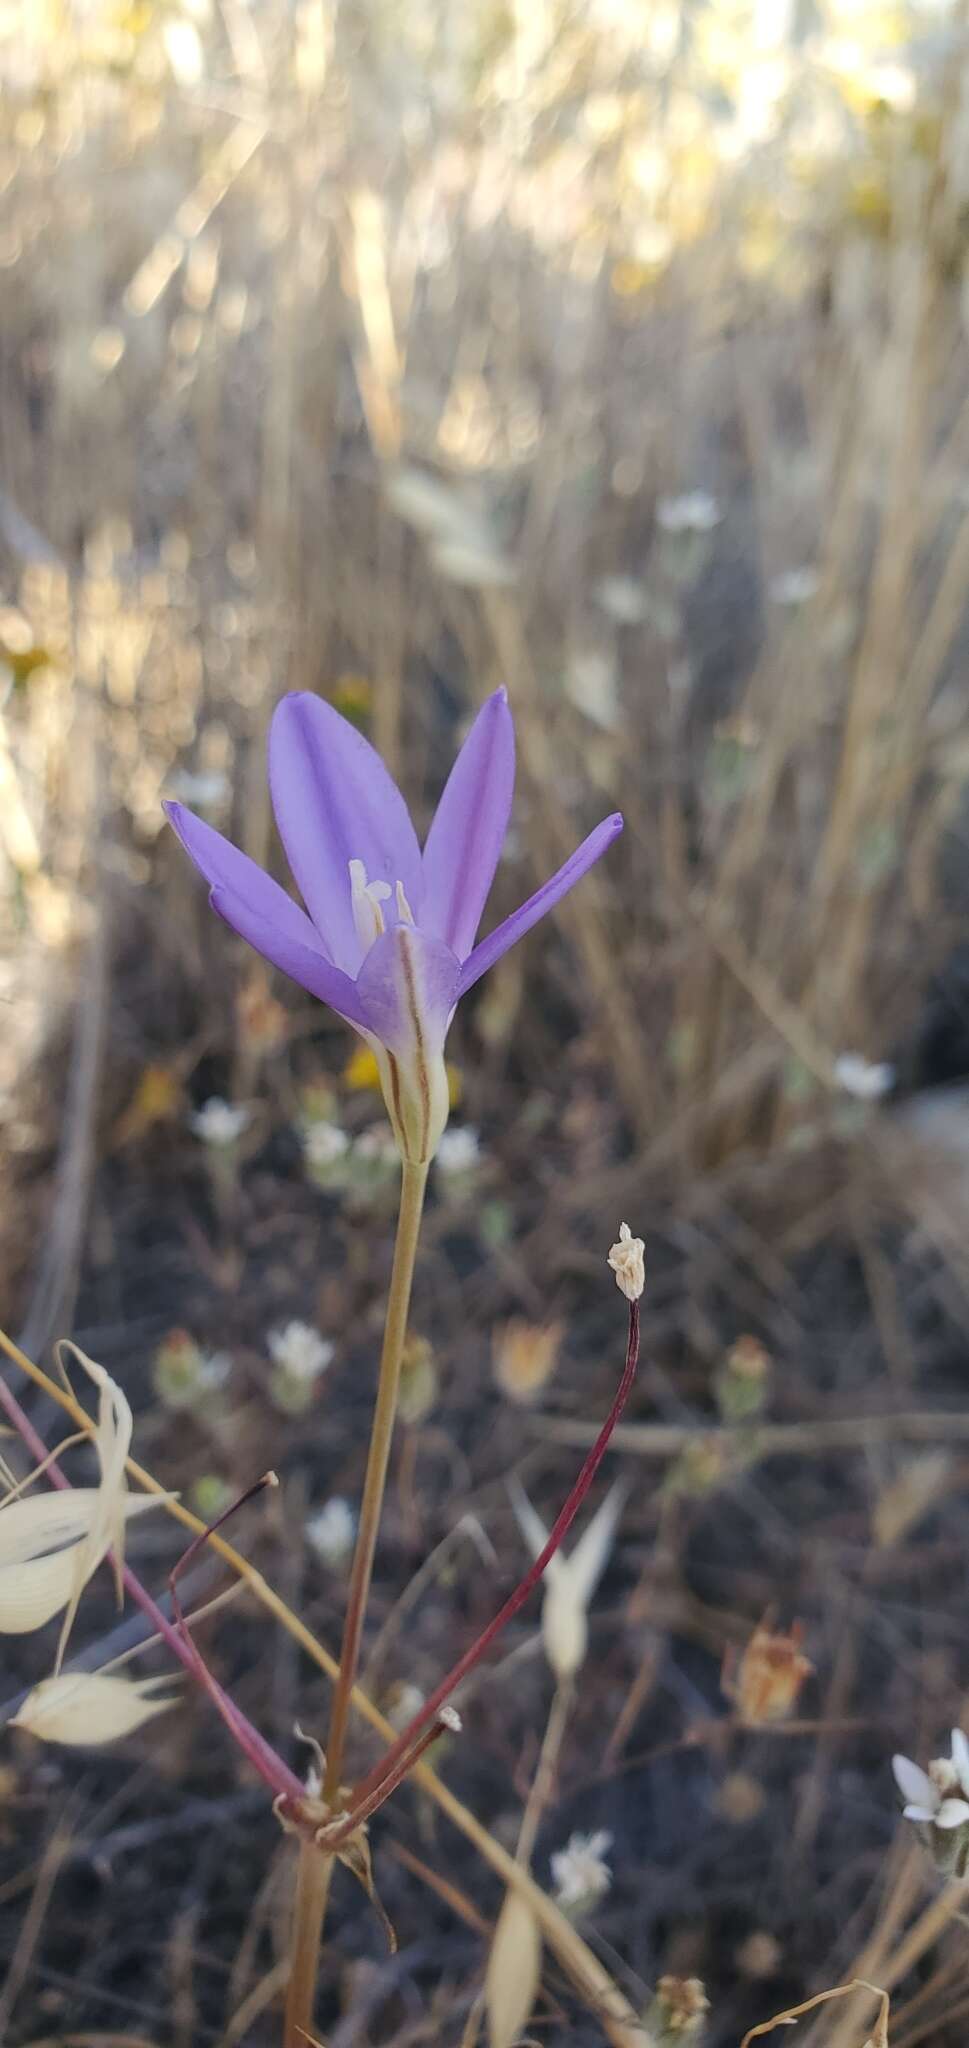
pixel 363 1808
pixel 275 1773
pixel 389 1770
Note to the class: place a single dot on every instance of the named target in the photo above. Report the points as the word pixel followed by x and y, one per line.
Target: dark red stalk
pixel 393 1766
pixel 282 1782
pixel 259 1752
pixel 363 1808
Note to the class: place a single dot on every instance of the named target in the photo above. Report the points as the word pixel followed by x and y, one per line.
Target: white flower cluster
pixel 300 1352
pixel 938 1797
pixel 300 1357
pixel 220 1123
pixel 331 1532
pixel 580 1872
pixel 343 1165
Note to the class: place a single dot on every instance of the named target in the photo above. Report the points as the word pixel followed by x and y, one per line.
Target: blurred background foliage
pixel 619 350
pixel 615 351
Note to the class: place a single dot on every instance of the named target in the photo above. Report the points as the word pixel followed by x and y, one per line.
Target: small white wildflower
pixel 331 1531
pixel 324 1144
pixel 376 1147
pixel 459 1150
pixel 794 586
pixel 220 1123
pixel 691 512
pixel 627 1262
pixel 580 1872
pixel 938 1797
pixel 451 1719
pixel 299 1351
pixel 866 1079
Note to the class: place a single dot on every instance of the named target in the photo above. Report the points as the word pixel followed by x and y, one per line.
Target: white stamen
pixel 404 910
pixel 366 899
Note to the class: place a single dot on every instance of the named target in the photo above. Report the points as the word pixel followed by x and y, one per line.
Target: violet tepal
pixel 389 941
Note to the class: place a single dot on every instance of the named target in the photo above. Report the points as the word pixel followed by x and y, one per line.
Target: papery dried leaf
pixel 514 1971
pixel 355 1856
pixel 84 1709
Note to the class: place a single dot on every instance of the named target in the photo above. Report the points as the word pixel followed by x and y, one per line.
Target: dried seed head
pixel 768 1679
pixel 525 1357
pixel 679 2009
pixel 742 1382
pixel 749 1359
pixel 626 1260
pixel 450 1718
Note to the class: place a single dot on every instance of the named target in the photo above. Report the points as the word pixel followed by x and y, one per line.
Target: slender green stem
pixel 315 1867
pixel 412 1189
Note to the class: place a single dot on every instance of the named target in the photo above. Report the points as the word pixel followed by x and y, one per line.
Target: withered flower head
pixel 525 1357
pixel 766 1683
pixel 626 1260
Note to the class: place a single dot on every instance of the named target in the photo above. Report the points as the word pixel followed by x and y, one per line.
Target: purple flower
pixel 389 939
